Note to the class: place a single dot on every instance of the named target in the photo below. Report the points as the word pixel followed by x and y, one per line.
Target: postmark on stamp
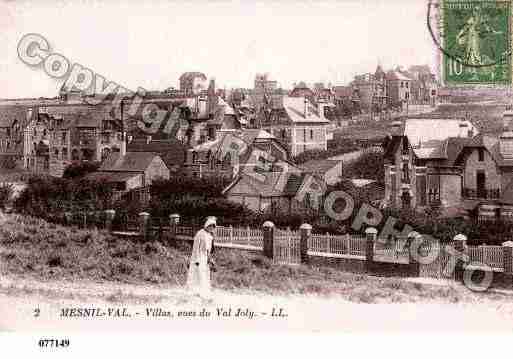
pixel 475 41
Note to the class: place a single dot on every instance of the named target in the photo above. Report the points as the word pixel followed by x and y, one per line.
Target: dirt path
pixel 20 298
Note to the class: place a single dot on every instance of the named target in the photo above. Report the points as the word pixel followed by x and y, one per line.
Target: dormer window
pixel 480 154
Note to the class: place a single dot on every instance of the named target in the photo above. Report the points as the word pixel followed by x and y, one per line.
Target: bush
pixel 369 165
pixel 49 197
pixel 81 169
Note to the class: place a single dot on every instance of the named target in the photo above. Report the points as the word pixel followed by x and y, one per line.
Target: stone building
pixel 296 122
pixel 214 158
pixel 398 89
pixel 422 163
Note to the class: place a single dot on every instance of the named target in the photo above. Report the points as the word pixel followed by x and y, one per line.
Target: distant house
pixel 212 159
pixel 133 170
pixel 172 151
pixel 301 90
pixel 423 163
pixel 278 192
pixel 329 170
pixel 398 88
pixel 296 122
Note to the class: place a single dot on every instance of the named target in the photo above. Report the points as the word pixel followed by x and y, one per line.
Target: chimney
pixel 506 144
pixel 122 150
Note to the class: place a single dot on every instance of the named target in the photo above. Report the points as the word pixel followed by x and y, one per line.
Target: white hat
pixel 210 221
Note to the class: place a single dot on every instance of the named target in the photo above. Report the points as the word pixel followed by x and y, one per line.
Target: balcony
pixel 493 193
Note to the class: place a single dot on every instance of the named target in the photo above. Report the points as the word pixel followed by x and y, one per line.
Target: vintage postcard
pixel 252 166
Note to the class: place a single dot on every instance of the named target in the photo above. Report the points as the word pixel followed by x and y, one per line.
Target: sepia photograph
pixel 254 166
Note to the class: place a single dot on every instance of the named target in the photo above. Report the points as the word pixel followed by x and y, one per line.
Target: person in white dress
pixel 198 278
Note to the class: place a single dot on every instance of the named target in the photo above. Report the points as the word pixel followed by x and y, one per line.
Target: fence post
pixel 174 219
pixel 109 217
pixel 412 245
pixel 268 239
pixel 370 237
pixel 507 253
pixel 306 232
pixel 143 224
pixel 460 246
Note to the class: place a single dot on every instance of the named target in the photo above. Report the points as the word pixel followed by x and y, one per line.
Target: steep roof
pixel 295 108
pixel 272 186
pixel 130 162
pixel 171 151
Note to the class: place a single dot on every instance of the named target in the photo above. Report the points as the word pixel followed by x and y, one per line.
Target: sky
pixel 150 44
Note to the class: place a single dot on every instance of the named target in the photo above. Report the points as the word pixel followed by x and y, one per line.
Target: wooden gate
pixel 286 248
pixel 439 268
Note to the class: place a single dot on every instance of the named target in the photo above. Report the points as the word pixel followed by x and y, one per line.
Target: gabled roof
pixel 272 186
pixel 130 162
pixel 171 150
pixel 295 109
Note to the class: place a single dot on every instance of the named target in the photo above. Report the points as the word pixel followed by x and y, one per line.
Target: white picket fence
pixel 489 255
pixel 337 244
pixel 242 236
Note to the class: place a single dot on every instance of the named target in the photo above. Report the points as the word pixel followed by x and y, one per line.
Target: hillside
pixel 32 249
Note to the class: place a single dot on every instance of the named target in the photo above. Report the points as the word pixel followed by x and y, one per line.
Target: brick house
pixel 296 122
pixel 398 88
pixel 13 121
pixel 81 132
pixel 423 166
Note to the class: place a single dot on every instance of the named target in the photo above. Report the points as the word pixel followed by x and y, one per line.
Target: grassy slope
pixel 487 116
pixel 36 249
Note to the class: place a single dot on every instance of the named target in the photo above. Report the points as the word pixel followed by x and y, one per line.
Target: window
pixel 65 153
pixel 402 84
pixel 480 153
pixel 56 153
pixel 304 134
pixel 63 136
pixel 406 84
pixel 311 134
pixel 406 173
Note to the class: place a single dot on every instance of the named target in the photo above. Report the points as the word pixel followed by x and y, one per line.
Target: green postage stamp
pixel 475 40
